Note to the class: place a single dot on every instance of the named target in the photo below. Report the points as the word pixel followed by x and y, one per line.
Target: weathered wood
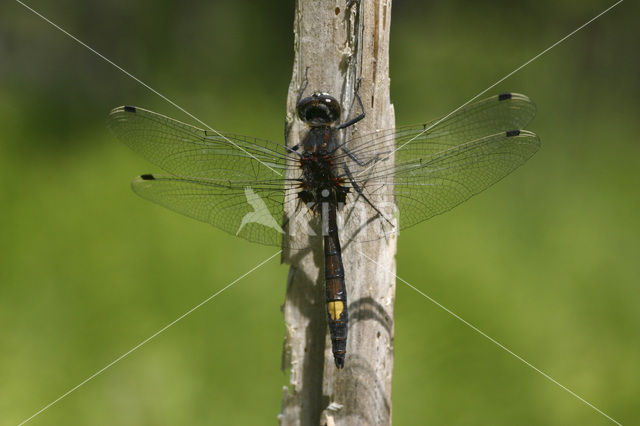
pixel 339 45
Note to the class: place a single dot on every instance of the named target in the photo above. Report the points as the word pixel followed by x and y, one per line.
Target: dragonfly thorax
pixel 319 140
pixel 319 181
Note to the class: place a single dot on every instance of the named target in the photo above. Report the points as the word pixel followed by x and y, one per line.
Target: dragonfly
pixel 300 196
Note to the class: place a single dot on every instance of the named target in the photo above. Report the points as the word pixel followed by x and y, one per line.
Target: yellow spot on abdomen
pixel 335 309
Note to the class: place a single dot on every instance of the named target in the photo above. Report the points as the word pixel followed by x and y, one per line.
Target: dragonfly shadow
pixel 366 231
pixel 366 308
pixel 299 239
pixel 305 295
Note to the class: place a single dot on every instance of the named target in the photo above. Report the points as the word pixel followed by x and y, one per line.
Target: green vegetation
pixel 546 261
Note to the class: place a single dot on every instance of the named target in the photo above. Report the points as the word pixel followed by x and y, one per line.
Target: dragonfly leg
pixel 304 85
pixel 355 158
pixel 359 117
pixel 293 150
pixel 357 188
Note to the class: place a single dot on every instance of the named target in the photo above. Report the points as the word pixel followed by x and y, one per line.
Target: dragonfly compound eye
pixel 319 109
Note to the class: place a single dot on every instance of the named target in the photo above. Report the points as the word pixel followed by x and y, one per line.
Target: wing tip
pixel 123 109
pixel 520 132
pixel 141 183
pixel 508 96
pixel 525 136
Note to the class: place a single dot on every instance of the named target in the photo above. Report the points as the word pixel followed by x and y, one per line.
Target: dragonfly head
pixel 319 109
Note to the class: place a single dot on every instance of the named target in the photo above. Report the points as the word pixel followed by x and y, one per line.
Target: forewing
pixel 189 152
pixel 499 113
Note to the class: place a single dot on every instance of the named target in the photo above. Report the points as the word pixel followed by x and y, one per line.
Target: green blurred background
pixel 546 262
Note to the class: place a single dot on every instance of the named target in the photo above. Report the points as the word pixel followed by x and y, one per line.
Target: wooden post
pixel 340 43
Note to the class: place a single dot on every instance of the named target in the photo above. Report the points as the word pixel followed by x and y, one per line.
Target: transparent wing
pixel 245 209
pixel 426 187
pixel 490 116
pixel 187 151
pixel 440 164
pixel 235 183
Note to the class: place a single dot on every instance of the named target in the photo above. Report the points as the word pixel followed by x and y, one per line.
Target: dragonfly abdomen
pixel 336 290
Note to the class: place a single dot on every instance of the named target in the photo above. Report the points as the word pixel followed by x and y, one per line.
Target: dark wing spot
pixel 337 10
pixel 511 133
pixel 504 96
pixel 147 177
pixel 129 108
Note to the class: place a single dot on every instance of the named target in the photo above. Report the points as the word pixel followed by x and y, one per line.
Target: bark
pixel 339 45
